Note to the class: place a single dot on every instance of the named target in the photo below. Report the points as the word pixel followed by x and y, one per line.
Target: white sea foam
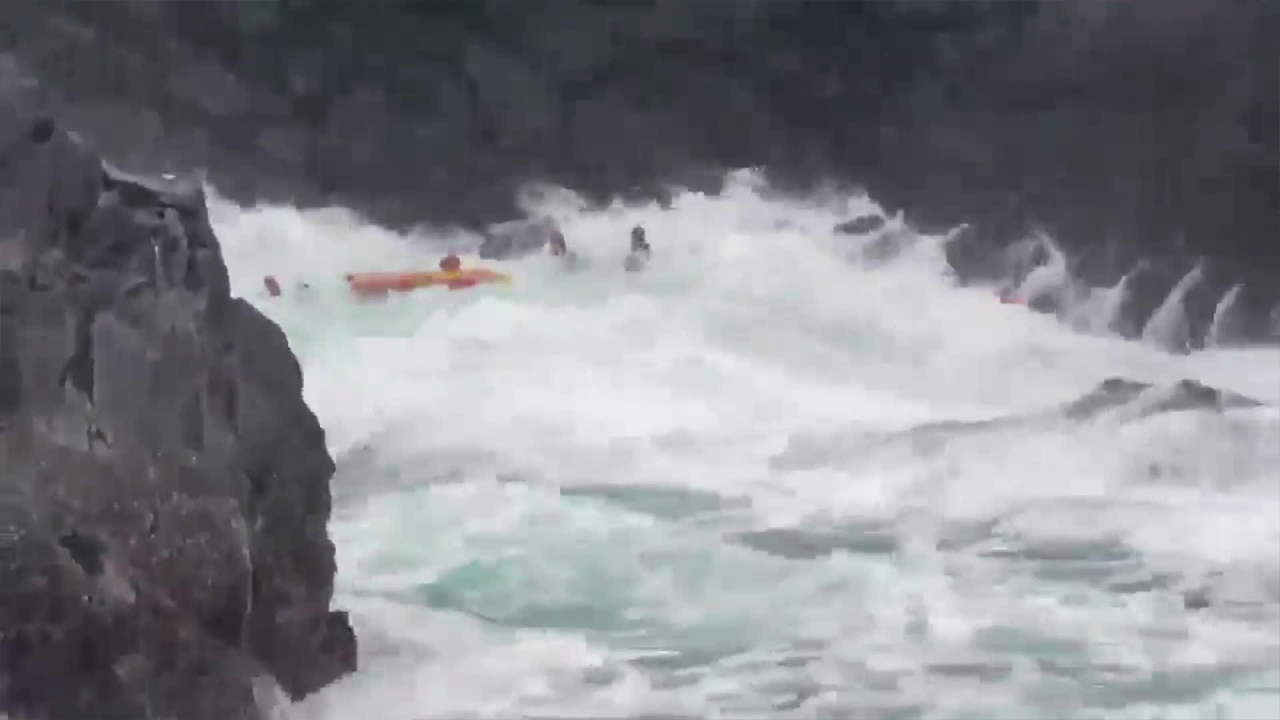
pixel 711 489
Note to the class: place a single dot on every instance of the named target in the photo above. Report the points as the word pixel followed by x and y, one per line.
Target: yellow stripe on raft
pixel 380 282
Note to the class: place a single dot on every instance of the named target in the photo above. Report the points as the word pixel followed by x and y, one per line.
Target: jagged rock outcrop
pixel 164 489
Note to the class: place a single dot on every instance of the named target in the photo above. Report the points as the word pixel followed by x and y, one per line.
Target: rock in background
pixel 1125 130
pixel 165 489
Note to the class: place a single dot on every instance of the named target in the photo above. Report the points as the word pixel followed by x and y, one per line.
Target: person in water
pixel 560 249
pixel 452 264
pixel 272 285
pixel 639 245
pixel 557 244
pixel 640 251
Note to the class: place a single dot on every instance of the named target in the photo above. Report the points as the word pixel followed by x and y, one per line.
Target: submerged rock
pixel 515 238
pixel 861 225
pixel 165 494
pixel 1182 395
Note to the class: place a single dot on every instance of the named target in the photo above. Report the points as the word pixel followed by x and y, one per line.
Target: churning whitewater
pixel 753 481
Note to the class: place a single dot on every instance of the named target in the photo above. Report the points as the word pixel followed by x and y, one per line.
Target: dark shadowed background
pixel 1125 129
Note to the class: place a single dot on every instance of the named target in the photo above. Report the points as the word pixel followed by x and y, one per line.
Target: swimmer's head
pixel 450 263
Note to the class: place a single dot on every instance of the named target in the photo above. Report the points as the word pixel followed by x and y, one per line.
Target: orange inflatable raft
pixel 380 283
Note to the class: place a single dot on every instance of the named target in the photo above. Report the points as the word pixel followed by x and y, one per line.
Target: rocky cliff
pixel 164 492
pixel 1126 130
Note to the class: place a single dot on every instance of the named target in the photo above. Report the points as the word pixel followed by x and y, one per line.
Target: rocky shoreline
pixel 165 491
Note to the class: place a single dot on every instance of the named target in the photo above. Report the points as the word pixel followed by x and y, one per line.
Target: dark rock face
pixel 1125 130
pixel 165 493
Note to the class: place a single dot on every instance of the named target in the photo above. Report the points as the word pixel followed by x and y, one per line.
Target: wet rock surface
pixel 165 489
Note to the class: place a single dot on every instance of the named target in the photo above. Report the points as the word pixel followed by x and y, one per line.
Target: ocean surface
pixel 755 481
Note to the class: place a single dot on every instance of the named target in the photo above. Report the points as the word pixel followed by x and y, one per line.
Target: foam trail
pixel 1224 328
pixel 1168 326
pixel 747 482
pixel 1115 299
pixel 1103 308
pixel 1048 279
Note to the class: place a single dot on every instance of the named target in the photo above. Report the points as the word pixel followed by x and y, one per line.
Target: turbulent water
pixel 744 482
